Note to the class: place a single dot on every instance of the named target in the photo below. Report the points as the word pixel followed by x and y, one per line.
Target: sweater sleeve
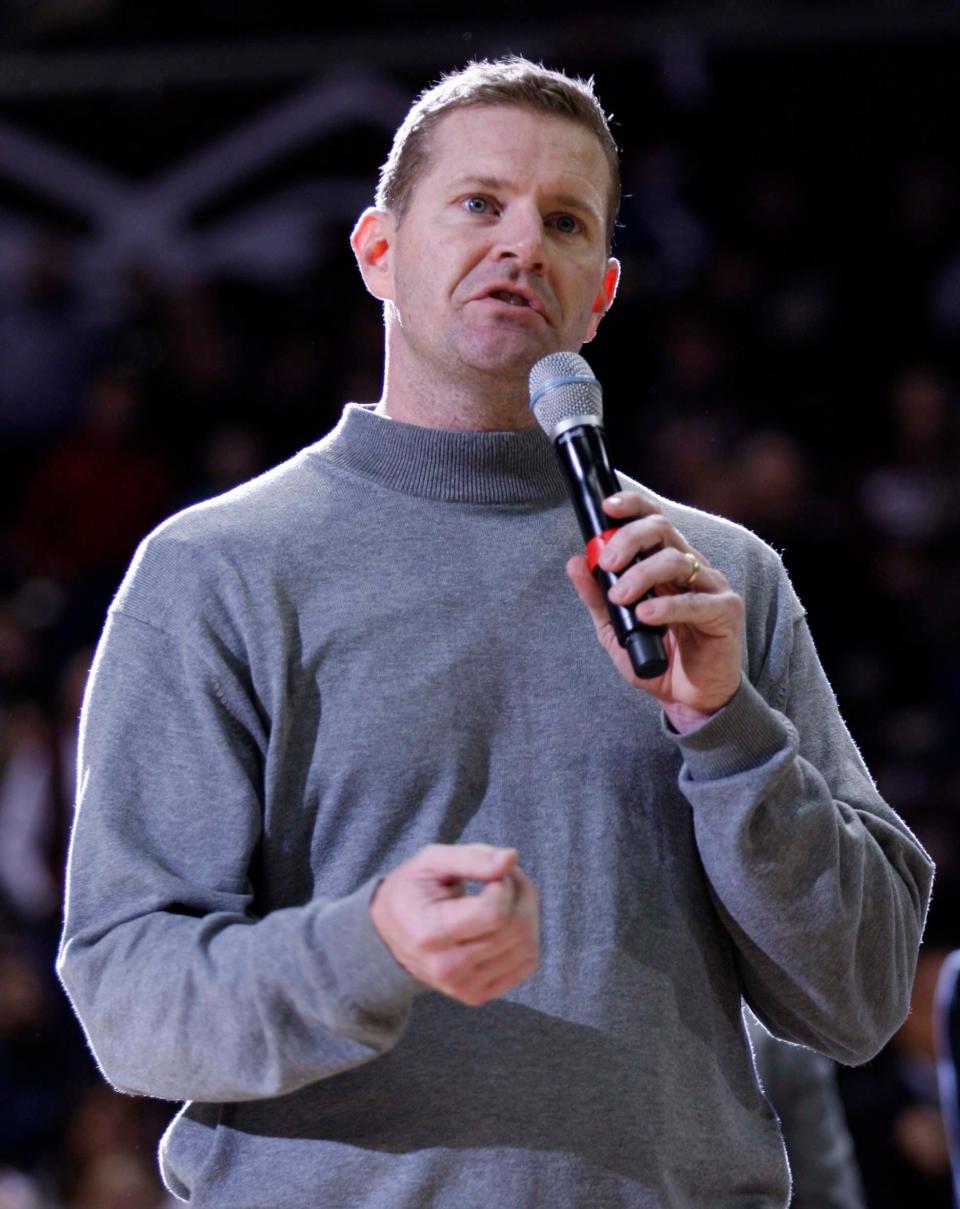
pixel 183 991
pixel 822 888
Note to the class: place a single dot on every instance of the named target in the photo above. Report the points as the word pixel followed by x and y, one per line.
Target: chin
pixel 505 354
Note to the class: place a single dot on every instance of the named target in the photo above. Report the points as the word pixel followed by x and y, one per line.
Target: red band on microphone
pixel 595 545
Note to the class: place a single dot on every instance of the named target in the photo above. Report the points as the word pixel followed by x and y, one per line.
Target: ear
pixel 605 296
pixel 372 243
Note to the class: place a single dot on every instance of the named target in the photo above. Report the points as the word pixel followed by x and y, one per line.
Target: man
pixel 347 740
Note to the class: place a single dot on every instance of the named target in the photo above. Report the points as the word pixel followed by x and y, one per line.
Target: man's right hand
pixel 472 947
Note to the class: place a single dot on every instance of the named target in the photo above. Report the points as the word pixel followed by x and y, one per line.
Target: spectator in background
pixel 802 1088
pixel 90 500
pixel 912 497
pixel 109 1146
pixel 947 1039
pixel 892 1102
pixel 231 455
pixel 39 1068
pixel 19 1191
pixel 46 343
pixel 37 776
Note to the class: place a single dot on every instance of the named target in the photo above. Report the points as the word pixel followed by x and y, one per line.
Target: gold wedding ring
pixel 694 571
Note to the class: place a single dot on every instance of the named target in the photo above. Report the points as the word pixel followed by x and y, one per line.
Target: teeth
pixel 513 299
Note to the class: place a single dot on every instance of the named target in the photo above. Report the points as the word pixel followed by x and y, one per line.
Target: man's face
pixel 500 256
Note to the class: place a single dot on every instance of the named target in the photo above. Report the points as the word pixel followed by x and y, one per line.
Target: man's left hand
pixel 702 613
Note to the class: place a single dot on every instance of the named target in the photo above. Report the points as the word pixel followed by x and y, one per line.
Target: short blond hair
pixel 509 81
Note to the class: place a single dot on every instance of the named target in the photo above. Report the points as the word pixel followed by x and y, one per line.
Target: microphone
pixel 567 401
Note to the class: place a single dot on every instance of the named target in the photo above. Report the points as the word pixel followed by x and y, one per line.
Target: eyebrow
pixel 570 200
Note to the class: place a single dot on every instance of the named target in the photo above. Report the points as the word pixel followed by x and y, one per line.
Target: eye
pixel 567 224
pixel 476 203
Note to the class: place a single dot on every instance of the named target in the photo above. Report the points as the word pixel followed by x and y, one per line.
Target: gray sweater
pixel 374 647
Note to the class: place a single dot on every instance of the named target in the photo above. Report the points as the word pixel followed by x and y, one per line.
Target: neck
pixel 468 401
pixel 458 414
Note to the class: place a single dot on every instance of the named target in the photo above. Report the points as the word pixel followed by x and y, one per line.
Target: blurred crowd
pixel 789 366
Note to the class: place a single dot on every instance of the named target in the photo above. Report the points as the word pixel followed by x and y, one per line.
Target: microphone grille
pixel 562 386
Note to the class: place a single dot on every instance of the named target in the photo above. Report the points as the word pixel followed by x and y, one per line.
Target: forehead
pixel 521 146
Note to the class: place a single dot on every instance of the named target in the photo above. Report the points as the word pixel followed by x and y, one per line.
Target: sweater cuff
pixel 366 972
pixel 745 734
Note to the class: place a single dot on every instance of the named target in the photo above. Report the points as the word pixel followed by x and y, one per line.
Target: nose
pixel 520 238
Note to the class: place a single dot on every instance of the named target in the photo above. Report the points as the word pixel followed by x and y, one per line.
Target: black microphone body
pixel 582 454
pixel 566 399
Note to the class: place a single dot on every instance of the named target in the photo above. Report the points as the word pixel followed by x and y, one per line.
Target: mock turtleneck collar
pixel 439 463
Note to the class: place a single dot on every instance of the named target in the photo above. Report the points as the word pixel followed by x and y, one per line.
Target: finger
pixel 589 592
pixel 491 968
pixel 474 987
pixel 455 963
pixel 506 975
pixel 510 892
pixel 464 862
pixel 476 916
pixel 666 570
pixel 521 925
pixel 712 613
pixel 629 503
pixel 588 589
pixel 526 890
pixel 643 536
pixel 474 982
pixel 527 901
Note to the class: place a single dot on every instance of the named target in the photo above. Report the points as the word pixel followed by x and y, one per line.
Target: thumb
pixel 587 589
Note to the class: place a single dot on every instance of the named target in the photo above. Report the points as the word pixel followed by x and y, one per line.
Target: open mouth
pixel 512 299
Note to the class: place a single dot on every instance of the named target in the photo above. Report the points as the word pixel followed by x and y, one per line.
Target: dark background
pixel 179 310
